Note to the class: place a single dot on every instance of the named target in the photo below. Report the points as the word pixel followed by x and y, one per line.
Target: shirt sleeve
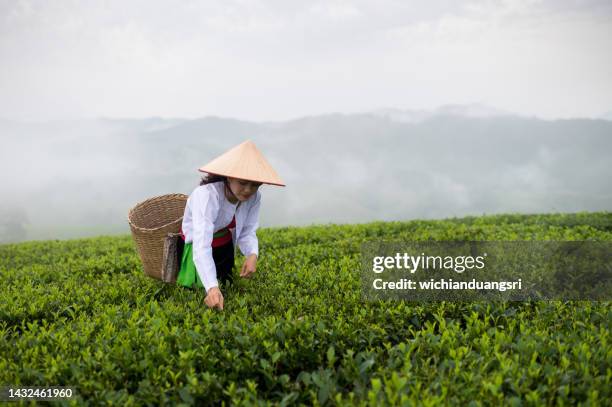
pixel 204 209
pixel 248 239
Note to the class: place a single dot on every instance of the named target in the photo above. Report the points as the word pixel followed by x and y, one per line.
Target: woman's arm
pixel 248 239
pixel 204 210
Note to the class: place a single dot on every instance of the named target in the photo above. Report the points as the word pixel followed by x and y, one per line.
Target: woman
pixel 227 199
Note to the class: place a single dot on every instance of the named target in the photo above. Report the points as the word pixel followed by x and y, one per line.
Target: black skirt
pixel 224 262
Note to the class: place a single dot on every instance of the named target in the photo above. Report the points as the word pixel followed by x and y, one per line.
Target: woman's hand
pixel 249 266
pixel 214 298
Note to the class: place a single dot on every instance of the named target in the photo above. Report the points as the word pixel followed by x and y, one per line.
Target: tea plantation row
pixel 81 313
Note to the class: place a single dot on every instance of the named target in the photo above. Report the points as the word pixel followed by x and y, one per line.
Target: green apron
pixel 188 275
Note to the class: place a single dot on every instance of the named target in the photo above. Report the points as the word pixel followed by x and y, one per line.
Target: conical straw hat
pixel 244 161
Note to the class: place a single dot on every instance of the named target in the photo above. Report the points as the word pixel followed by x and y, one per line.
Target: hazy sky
pixel 276 60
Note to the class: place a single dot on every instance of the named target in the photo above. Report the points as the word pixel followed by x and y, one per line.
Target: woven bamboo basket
pixel 151 221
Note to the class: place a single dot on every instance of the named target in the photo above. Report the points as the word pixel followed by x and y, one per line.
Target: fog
pixel 79 178
pixel 203 76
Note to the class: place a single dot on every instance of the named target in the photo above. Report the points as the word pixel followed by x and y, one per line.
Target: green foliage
pixel 82 313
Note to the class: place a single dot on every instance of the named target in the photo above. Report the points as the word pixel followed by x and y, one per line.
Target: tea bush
pixel 81 313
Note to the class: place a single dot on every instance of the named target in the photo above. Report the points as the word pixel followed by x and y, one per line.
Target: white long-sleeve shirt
pixel 208 211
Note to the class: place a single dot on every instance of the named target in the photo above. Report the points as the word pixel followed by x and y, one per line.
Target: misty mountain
pixel 474 110
pixel 71 179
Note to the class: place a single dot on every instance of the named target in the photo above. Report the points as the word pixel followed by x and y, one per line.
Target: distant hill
pixel 474 110
pixel 69 179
